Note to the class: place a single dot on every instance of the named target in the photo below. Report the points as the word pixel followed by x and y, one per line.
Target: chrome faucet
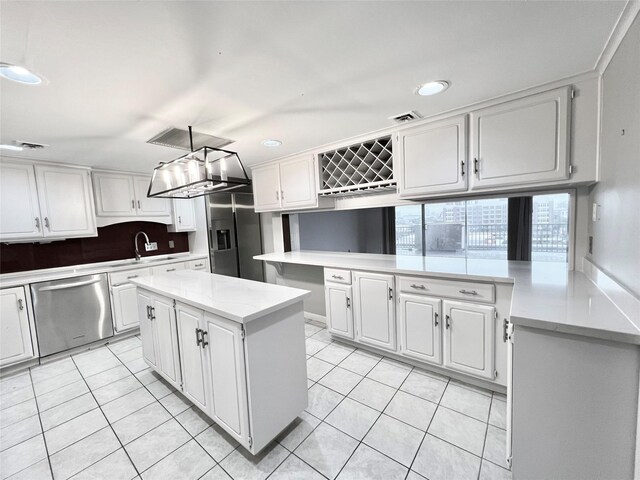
pixel 135 243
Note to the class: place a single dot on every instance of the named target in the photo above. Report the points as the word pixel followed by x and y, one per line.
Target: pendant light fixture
pixel 201 172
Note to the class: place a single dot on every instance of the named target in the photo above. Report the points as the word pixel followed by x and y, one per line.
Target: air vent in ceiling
pixel 179 138
pixel 405 117
pixel 31 145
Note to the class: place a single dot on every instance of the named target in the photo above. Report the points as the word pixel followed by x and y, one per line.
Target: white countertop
pixel 237 299
pixel 545 295
pixel 47 274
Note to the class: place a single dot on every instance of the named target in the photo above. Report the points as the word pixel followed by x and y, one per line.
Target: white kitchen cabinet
pixel 194 367
pixel 184 216
pixel 123 298
pixel 266 187
pixel 149 207
pixel 524 141
pixel 432 158
pixel 225 359
pixel 114 194
pixel 469 338
pixel 15 333
pixel 338 300
pixel 147 332
pixel 159 335
pixel 285 185
pixel 66 201
pixel 19 209
pixel 375 310
pixel 420 327
pixel 298 183
pixel 121 197
pixel 45 201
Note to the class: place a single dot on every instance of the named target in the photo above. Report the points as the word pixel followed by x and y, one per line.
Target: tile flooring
pixel 103 414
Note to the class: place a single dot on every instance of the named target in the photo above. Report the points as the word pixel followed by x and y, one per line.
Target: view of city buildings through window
pixel 479 228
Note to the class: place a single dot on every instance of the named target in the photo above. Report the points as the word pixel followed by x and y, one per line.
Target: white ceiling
pixel 306 73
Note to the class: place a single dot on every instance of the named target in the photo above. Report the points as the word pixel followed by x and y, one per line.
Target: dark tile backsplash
pixel 114 242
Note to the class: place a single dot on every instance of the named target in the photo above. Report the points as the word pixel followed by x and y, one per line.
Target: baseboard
pixel 315 317
pixel 622 298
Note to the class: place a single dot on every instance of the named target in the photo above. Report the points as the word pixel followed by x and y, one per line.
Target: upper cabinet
pixel 184 215
pixel 524 141
pixel 285 185
pixel 433 158
pixel 45 201
pixel 122 197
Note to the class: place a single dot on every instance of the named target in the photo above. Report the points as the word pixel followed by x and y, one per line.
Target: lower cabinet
pixel 375 310
pixel 159 335
pixel 250 379
pixel 338 300
pixel 420 325
pixel 224 356
pixel 125 307
pixel 469 338
pixel 15 333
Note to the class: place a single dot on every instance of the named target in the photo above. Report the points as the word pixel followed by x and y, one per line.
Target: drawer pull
pixel 199 265
pixel 435 316
pixel 419 287
pixel 198 338
pixel 132 276
pixel 468 292
pixel 170 269
pixel 448 319
pixel 337 277
pixel 348 302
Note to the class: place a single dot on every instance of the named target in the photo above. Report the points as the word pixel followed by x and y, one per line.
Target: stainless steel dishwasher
pixel 71 312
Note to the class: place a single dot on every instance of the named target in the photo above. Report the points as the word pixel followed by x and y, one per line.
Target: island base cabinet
pixel 159 335
pixel 375 310
pixel 339 312
pixel 469 338
pixel 15 334
pixel 224 358
pixel 251 379
pixel 420 328
pixel 194 367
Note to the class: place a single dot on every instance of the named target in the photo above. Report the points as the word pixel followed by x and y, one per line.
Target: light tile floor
pixel 102 414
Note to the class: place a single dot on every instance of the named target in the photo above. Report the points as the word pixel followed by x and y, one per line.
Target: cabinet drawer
pixel 476 291
pixel 337 276
pixel 172 267
pixel 118 278
pixel 198 264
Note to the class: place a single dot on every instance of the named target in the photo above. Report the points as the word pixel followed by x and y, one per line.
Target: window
pixel 480 228
pixel 550 228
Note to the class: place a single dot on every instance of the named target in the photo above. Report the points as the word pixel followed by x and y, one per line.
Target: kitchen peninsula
pixel 236 348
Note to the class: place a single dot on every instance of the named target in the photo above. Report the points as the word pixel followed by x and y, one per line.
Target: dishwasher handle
pixel 65 286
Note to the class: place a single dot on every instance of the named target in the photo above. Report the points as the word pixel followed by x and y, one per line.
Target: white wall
pixel 616 235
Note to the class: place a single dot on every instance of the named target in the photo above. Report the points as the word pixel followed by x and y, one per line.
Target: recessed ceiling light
pixel 271 143
pixel 13 148
pixel 19 74
pixel 431 88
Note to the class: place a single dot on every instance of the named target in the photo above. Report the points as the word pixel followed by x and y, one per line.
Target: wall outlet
pixel 172 244
pixel 151 246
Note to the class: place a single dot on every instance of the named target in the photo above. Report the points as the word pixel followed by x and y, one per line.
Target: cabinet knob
pixel 348 302
pixel 475 166
pixel 20 304
pixel 462 168
pixel 179 219
pixel 133 204
pixel 38 223
pixel 198 338
pixel 390 293
pixel 139 207
pixel 46 223
pixel 448 319
pixel 204 341
pixel 435 317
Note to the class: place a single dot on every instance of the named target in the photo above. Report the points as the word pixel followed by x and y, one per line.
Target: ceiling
pixel 306 73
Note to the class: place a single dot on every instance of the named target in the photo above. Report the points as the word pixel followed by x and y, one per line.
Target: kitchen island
pixel 234 347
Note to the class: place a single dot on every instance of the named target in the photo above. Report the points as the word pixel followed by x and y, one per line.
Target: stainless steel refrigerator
pixel 234 235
